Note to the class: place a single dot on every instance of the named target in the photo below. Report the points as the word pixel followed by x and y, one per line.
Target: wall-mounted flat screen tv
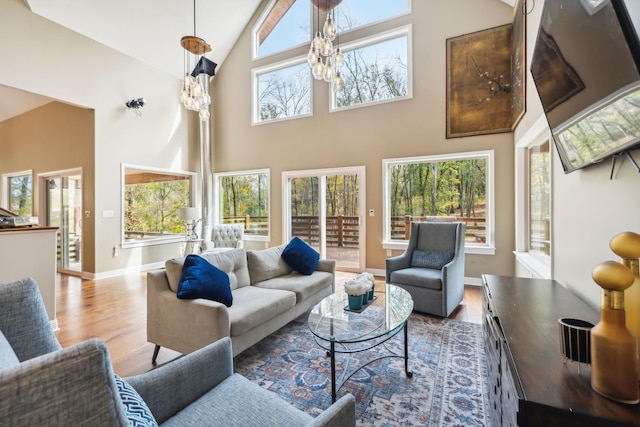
pixel 585 66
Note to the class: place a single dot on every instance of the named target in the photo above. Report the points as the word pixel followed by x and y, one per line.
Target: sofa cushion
pixel 431 259
pixel 254 306
pixel 201 279
pixel 138 413
pixel 300 256
pixel 233 262
pixel 266 264
pixel 8 357
pixel 302 285
pixel 239 402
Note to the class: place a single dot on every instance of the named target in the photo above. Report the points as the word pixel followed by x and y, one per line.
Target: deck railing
pixel 344 231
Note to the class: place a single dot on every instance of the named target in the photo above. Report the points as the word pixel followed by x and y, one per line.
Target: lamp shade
pixel 188 214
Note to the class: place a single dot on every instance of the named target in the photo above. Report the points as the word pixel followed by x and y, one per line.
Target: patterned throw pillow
pixel 431 259
pixel 137 411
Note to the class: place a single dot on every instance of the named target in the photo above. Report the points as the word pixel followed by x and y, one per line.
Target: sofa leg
pixel 155 354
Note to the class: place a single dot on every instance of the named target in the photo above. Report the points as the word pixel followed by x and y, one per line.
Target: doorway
pixel 325 208
pixel 62 192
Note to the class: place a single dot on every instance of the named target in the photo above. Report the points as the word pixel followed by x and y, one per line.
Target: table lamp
pixel 191 216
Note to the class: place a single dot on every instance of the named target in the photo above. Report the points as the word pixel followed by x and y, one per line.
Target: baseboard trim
pixel 122 271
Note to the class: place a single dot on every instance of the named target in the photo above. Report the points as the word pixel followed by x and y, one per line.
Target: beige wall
pixel 51 138
pixel 45 58
pixel 588 208
pixel 366 136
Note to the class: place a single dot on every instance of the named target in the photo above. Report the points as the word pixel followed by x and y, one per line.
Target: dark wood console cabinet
pixel 529 383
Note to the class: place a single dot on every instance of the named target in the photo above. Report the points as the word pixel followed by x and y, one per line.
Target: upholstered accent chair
pixel 432 267
pixel 42 383
pixel 224 236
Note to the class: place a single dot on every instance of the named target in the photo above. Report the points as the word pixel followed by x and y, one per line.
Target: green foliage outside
pixel 341 193
pixel 153 207
pixel 21 195
pixel 246 196
pixel 450 188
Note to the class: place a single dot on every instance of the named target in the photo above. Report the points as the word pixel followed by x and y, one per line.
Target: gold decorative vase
pixel 627 246
pixel 614 349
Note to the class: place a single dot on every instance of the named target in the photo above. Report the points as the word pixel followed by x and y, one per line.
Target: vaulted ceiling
pixel 148 30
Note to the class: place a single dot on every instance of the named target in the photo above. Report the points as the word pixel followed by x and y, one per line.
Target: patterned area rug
pixel 446 357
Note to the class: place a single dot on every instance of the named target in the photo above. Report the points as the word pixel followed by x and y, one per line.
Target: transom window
pixel 375 70
pixel 283 25
pixel 446 188
pixel 282 92
pixel 151 199
pixel 243 198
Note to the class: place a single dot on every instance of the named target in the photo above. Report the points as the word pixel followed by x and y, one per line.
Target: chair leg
pixel 155 354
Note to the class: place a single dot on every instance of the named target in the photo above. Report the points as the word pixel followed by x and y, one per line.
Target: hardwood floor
pixel 115 310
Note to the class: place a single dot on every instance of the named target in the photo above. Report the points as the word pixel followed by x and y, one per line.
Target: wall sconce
pixel 136 104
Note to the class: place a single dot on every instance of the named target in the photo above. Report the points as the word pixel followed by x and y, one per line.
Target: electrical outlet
pixel 87 214
pixel 388 252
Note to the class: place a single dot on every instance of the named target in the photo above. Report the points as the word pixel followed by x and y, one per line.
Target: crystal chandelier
pixel 194 91
pixel 323 58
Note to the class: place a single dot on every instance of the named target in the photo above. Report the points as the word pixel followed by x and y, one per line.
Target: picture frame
pixel 479 94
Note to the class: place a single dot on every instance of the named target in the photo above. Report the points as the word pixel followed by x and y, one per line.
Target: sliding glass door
pixel 325 209
pixel 63 201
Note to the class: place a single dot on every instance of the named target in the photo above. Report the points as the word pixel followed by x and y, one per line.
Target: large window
pixel 539 199
pixel 19 188
pixel 534 237
pixel 375 70
pixel 243 198
pixel 151 199
pixel 447 188
pixel 281 92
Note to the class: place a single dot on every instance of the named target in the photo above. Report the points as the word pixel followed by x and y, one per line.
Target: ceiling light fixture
pixel 323 58
pixel 194 92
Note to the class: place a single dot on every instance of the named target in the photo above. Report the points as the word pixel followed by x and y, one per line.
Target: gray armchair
pixel 44 384
pixel 432 267
pixel 224 236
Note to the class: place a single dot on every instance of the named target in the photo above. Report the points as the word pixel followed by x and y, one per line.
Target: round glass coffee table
pixel 338 329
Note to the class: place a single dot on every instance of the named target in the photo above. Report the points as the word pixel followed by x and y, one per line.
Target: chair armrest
pixel 396 263
pixel 172 387
pixel 73 386
pixel 341 414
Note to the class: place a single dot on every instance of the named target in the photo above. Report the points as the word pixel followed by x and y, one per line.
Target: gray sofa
pixel 44 384
pixel 267 294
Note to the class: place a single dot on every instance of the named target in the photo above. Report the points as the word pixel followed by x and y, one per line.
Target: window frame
pixel 255 74
pixel 402 31
pixel 217 203
pixel 487 248
pixel 193 182
pixel 261 20
pixel 6 188
pixel 540 265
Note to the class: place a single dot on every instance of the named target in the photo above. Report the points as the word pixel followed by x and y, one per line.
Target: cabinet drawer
pixel 509 398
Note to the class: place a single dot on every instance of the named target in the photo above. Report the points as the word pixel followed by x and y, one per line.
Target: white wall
pixel 588 208
pixel 45 58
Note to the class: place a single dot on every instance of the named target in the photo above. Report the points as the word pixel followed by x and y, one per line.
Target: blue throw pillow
pixel 431 259
pixel 201 279
pixel 138 412
pixel 300 256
